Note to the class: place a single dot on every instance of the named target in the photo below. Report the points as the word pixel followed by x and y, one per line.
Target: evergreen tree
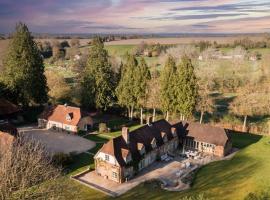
pixel 185 88
pixel 97 83
pixel 23 68
pixel 166 84
pixel 142 75
pixel 126 89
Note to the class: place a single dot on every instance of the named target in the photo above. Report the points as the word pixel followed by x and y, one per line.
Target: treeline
pixel 246 43
pixel 174 90
pixel 151 50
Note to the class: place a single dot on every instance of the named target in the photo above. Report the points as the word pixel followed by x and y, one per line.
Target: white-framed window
pixel 67 128
pixel 107 157
pixel 114 175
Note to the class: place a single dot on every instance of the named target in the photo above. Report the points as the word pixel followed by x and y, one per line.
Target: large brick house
pixel 122 157
pixel 65 118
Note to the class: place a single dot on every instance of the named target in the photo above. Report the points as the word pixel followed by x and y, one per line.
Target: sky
pixel 136 16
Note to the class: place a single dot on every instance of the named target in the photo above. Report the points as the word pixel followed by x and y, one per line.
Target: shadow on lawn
pixel 241 140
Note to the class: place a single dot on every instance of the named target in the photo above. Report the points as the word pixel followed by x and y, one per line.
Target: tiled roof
pixel 203 132
pixel 61 114
pixel 7 108
pixel 9 128
pixel 147 134
pixel 143 135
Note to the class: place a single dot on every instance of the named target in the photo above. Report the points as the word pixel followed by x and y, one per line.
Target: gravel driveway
pixel 57 142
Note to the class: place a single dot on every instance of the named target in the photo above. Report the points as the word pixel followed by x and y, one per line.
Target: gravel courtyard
pixel 57 142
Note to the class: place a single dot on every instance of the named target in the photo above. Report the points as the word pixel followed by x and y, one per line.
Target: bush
pixel 102 127
pixel 62 159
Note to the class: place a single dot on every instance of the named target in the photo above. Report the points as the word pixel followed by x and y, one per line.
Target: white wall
pixel 112 159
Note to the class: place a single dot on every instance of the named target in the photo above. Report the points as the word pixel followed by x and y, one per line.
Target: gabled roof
pixel 8 108
pixel 144 135
pixel 9 128
pixel 60 113
pixel 203 132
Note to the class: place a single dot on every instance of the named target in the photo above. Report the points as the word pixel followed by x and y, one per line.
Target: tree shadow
pixel 222 104
pixel 241 140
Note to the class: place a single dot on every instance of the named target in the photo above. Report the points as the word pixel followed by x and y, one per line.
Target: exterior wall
pixel 127 173
pixel 61 127
pixel 148 159
pixel 102 156
pixel 108 171
pixel 42 123
pixel 228 148
pixel 85 121
pixel 220 151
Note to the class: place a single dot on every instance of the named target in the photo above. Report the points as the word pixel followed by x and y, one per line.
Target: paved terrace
pixel 158 170
pixel 164 171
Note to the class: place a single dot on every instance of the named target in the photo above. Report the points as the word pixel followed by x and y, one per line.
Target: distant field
pixel 119 50
pixel 182 40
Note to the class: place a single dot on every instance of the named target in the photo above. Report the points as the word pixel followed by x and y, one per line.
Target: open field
pixel 181 40
pixel 248 171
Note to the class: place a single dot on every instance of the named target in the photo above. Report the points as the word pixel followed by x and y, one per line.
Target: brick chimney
pixel 125 134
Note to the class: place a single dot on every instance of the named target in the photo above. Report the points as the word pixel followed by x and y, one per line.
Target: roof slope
pixel 9 128
pixel 60 113
pixel 204 133
pixel 7 108
pixel 143 135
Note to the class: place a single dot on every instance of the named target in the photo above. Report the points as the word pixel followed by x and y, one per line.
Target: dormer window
pixel 154 143
pixel 69 116
pixel 173 129
pixel 164 136
pixel 126 155
pixel 141 148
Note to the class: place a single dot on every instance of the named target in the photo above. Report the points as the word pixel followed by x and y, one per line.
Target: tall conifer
pixel 97 81
pixel 24 69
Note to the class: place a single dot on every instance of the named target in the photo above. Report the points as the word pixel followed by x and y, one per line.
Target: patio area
pixel 158 170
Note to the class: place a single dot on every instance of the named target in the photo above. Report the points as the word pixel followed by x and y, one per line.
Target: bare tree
pixel 153 93
pixel 252 100
pixel 27 172
pixel 205 101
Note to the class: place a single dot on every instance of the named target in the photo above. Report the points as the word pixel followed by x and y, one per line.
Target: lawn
pixel 119 50
pixel 248 171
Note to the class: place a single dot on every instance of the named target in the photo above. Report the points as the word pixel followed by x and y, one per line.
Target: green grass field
pixel 119 50
pixel 248 171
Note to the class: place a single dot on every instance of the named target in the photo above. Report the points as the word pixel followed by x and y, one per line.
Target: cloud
pixel 65 16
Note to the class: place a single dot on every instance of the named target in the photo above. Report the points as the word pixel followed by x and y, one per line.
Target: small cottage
pixel 65 118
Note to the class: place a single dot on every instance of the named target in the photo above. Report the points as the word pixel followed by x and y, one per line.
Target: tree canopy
pixel 23 68
pixel 97 79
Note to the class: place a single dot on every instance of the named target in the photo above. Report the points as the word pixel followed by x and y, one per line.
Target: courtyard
pixel 58 142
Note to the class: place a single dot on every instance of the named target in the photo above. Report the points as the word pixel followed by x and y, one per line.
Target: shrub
pixel 62 159
pixel 102 127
